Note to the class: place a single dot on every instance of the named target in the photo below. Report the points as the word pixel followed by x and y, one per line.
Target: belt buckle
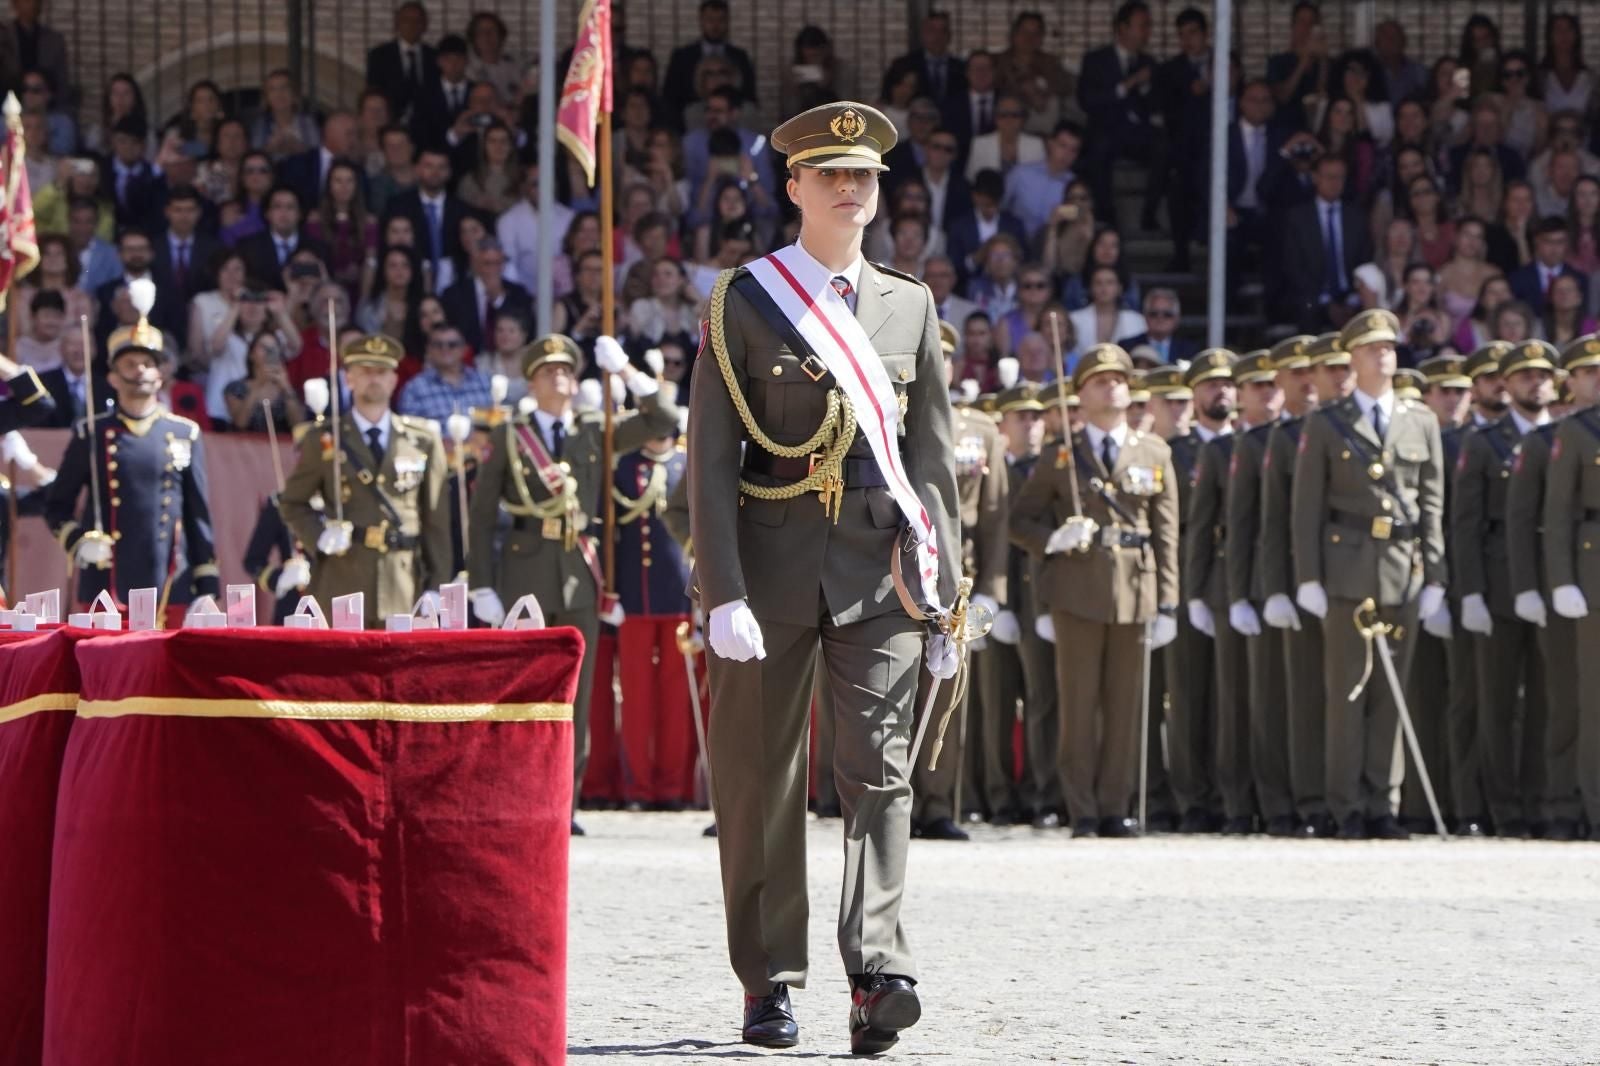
pixel 811 462
pixel 377 537
pixel 1382 527
pixel 814 368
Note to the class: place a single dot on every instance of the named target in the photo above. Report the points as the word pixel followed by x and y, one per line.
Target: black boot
pixel 880 1006
pixel 769 1019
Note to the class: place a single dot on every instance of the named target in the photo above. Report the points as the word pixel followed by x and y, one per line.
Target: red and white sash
pixel 803 290
pixel 555 480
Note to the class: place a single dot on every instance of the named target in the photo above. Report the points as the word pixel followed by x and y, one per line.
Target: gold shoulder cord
pixel 838 428
pixel 654 498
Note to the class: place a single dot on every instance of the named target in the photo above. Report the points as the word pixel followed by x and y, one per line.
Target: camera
pixel 1303 150
pixel 482 121
pixel 304 270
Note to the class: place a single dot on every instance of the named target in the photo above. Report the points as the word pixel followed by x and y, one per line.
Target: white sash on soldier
pixel 803 290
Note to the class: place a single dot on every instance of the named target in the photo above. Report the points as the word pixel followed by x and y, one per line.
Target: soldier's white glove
pixel 1431 600
pixel 1475 616
pixel 334 538
pixel 615 616
pixel 1530 608
pixel 1163 631
pixel 1279 612
pixel 1438 624
pixel 487 606
pixel 296 574
pixel 13 449
pixel 1006 629
pixel 942 658
pixel 735 633
pixel 608 355
pixel 1076 534
pixel 978 599
pixel 1569 602
pixel 1200 618
pixel 1044 627
pixel 1242 618
pixel 1312 599
pixel 93 550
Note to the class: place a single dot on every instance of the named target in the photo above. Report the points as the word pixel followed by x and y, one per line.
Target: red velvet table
pixel 284 847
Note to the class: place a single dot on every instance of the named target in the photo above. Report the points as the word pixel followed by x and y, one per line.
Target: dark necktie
pixel 936 79
pixel 181 262
pixel 408 59
pixel 1108 453
pixel 375 443
pixel 1330 239
pixel 1379 423
pixel 284 251
pixel 558 439
pixel 985 120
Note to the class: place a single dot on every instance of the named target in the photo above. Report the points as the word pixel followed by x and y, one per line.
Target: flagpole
pixel 608 326
pixel 13 117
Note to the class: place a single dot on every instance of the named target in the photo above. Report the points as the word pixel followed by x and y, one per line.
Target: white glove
pixel 615 616
pixel 1437 624
pixel 93 551
pixel 1431 600
pixel 942 658
pixel 1163 631
pixel 735 633
pixel 1242 618
pixel 1475 615
pixel 1075 535
pixel 1312 599
pixel 978 599
pixel 642 385
pixel 1006 629
pixel 1279 613
pixel 13 449
pixel 296 574
pixel 1200 618
pixel 487 606
pixel 1569 602
pixel 1530 608
pixel 608 355
pixel 334 538
pixel 1044 627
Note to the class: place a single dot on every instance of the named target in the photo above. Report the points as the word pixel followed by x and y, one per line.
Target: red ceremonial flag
pixel 587 91
pixel 19 240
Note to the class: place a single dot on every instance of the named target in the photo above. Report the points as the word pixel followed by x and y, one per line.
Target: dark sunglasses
pixel 1160 312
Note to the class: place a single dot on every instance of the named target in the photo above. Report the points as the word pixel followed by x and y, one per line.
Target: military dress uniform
pixel 271 535
pixel 1301 648
pixel 1367 524
pixel 1102 598
pixel 1267 696
pixel 1510 664
pixel 151 476
pixel 24 401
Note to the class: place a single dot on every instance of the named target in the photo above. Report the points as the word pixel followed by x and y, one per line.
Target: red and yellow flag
pixel 19 240
pixel 587 91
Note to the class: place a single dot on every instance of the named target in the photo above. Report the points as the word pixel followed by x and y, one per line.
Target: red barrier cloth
pixel 306 848
pixel 38 691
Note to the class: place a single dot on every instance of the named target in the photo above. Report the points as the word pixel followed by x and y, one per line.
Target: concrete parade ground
pixel 1035 948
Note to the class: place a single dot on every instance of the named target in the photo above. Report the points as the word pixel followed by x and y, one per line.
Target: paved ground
pixel 1037 949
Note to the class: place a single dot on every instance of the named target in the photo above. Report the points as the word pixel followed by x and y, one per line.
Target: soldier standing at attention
pixel 823 504
pixel 1110 569
pixel 1508 657
pixel 1572 555
pixel 1367 524
pixel 1260 407
pixel 394 542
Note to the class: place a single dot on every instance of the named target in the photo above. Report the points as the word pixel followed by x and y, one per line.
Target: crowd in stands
pixel 1464 194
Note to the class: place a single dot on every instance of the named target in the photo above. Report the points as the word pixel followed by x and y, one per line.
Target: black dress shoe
pixel 1594 833
pixel 880 1006
pixel 1515 829
pixel 1196 820
pixel 1240 825
pixel 710 830
pixel 1085 829
pixel 1162 822
pixel 769 1019
pixel 943 829
pixel 1119 827
pixel 1354 827
pixel 1047 820
pixel 829 810
pixel 1281 825
pixel 577 830
pixel 1387 828
pixel 1001 819
pixel 1472 827
pixel 1562 829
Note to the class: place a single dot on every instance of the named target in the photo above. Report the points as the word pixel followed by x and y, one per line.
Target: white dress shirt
pixel 1384 403
pixel 545 420
pixel 383 425
pixel 851 274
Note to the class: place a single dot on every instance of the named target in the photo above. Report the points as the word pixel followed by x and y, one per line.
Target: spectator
pixel 1476 330
pixel 1036 357
pixel 391 307
pixel 949 194
pixel 1105 320
pixel 135 250
pixel 1565 135
pixel 940 275
pixel 577 314
pixel 1564 79
pixel 213 314
pixel 1104 250
pixel 1183 94
pixel 1424 325
pixel 735 246
pixel 1033 295
pixel 723 148
pixel 653 237
pixel 310 303
pixel 1162 313
pixel 968 236
pixel 1116 92
pixel 910 155
pixel 372 118
pixel 443 97
pixel 282 128
pixel 464 137
pixel 972 115
pixel 630 137
pixel 636 204
pixel 1254 142
pixel 1355 79
pixel 26 43
pixel 265 387
pixel 58 272
pixel 342 223
pixel 1480 54
pixel 471 303
pixel 518 229
pixel 1379 283
pixel 253 316
pixel 469 232
pixel 1511 238
pixel 994 290
pixel 487 60
pixel 218 175
pixel 307 172
pixel 1461 279
pixel 1008 146
pixel 1323 241
pixel 255 182
pixel 1562 171
pixel 671 311
pixel 978 356
pixel 1482 186
pixel 678 89
pixel 122 98
pixel 1303 70
pixel 1341 136
pixel 1035 190
pixel 1488 132
pixel 435 214
pixel 582 237
pixel 1411 127
pixel 935 73
pixel 1531 283
pixel 95 260
pixel 662 171
pixel 75 178
pixel 267 254
pixel 909 199
pixel 183 252
pixel 1583 222
pixel 512 331
pixel 203 113
pixel 1404 76
pixel 1512 322
pixel 1448 103
pixel 40 346
pixel 910 244
pixel 60 132
pixel 397 173
pixel 1436 235
pixel 131 183
pixel 66 384
pixel 809 80
pixel 1564 319
pixel 403 65
pixel 446 385
pixel 1525 117
pixel 1070 231
pixel 1033 75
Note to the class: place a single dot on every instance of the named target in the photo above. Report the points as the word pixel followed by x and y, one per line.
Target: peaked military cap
pixel 1293 353
pixel 949 339
pixel 841 134
pixel 1209 365
pixel 551 348
pixel 1167 383
pixel 1101 359
pixel 1445 372
pixel 1023 396
pixel 1409 383
pixel 1138 388
pixel 1053 395
pixel 1372 326
pixel 1486 360
pixel 1254 367
pixel 1327 351
pixel 374 349
pixel 1529 355
pixel 1585 351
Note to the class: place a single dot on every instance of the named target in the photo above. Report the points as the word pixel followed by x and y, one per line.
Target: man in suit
pixel 1530 282
pixel 1117 91
pixel 1109 541
pixel 136 250
pixel 1324 241
pixel 1366 523
pixel 307 172
pixel 26 43
pixel 97 258
pixel 66 384
pixel 939 271
pixel 678 90
pixel 966 236
pixel 1253 145
pixel 1183 95
pixel 971 114
pixel 1162 312
pixel 130 182
pixel 475 299
pixel 267 254
pixel 444 98
pixel 183 253
pixel 401 67
pixel 941 77
pixel 784 574
pixel 435 214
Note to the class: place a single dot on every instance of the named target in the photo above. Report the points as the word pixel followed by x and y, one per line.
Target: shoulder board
pixel 192 426
pixel 593 418
pixel 1547 431
pixel 415 424
pixel 884 268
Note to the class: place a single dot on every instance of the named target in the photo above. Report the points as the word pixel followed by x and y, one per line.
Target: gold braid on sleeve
pixel 826 447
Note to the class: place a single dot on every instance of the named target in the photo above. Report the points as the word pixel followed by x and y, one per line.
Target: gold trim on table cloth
pixel 45 701
pixel 325 710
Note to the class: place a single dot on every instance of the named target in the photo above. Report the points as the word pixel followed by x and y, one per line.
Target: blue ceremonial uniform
pixel 652 576
pixel 24 401
pixel 271 532
pixel 153 506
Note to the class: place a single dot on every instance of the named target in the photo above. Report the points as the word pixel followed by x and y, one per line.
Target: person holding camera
pixel 266 382
pixel 257 313
pixel 1424 325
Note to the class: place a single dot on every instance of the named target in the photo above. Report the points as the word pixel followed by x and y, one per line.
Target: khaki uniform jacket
pixel 531 562
pixel 1525 512
pixel 1109 585
pixel 1206 546
pixel 983 486
pixel 1338 506
pixel 1478 515
pixel 1243 516
pixel 412 478
pixel 1274 546
pixel 1572 506
pixel 776 554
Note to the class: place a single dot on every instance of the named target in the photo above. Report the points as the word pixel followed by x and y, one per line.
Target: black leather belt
pixel 384 538
pixel 1118 537
pixel 858 473
pixel 1378 527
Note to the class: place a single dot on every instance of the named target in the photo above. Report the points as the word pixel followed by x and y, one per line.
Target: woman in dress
pixel 487 60
pixel 255 181
pixel 122 98
pixel 1105 320
pixel 1104 250
pixel 1397 252
pixel 1482 185
pixel 1526 121
pixel 1513 322
pixel 1461 279
pixel 1564 320
pixel 1511 237
pixel 391 307
pixel 1564 78
pixel 1342 136
pixel 1583 226
pixel 58 272
pixel 1477 329
pixel 1033 295
pixel 495 184
pixel 582 237
pixel 1424 325
pixel 577 314
pixel 342 222
pixel 671 311
pixel 1435 233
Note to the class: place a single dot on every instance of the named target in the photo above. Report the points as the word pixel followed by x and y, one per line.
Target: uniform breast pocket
pixel 902 370
pixel 775 378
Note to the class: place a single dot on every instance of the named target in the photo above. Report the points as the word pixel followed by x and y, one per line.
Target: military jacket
pixel 1243 515
pixel 24 401
pixel 1206 546
pixel 1274 545
pixel 1525 511
pixel 1572 506
pixel 983 487
pixel 1481 486
pixel 652 575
